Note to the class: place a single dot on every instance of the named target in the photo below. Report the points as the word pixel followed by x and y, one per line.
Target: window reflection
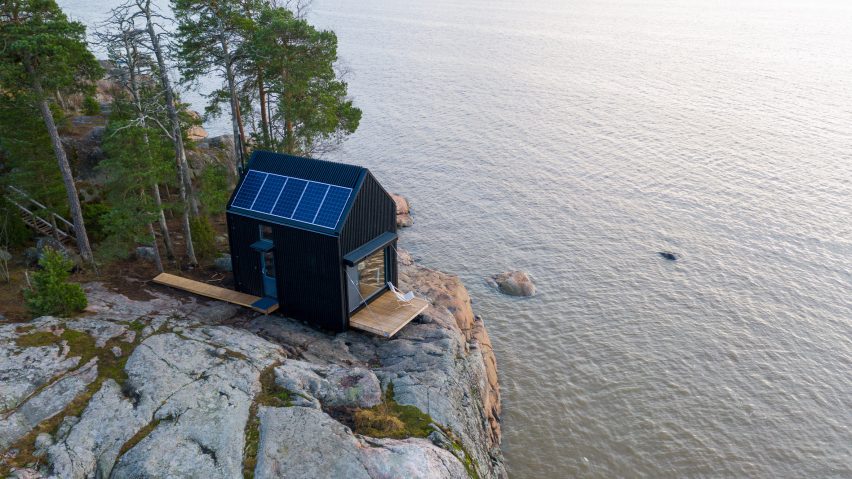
pixel 371 273
pixel 269 264
pixel 266 232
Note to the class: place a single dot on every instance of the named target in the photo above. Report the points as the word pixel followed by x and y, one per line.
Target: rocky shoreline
pixel 177 386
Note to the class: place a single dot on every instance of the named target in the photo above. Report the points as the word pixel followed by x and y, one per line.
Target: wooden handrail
pixel 70 232
pixel 37 203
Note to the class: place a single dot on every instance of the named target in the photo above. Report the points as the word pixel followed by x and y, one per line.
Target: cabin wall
pixel 372 213
pixel 245 261
pixel 307 268
pixel 309 277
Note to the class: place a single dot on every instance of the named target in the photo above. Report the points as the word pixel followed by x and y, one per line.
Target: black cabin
pixel 316 236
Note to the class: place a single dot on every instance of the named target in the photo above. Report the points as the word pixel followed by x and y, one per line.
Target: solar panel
pixel 269 193
pixel 248 191
pixel 310 202
pixel 332 207
pixel 289 198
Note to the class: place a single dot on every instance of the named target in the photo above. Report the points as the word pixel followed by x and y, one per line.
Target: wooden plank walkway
pixel 211 291
pixel 386 315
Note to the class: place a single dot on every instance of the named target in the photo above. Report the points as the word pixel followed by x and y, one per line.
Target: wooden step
pixel 216 292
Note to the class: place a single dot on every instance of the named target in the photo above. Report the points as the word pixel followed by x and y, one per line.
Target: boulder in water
pixel 668 255
pixel 403 211
pixel 513 283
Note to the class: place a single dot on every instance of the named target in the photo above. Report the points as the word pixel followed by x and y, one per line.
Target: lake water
pixel 575 140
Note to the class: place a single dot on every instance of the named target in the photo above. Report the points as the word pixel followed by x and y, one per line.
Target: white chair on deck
pixel 400 297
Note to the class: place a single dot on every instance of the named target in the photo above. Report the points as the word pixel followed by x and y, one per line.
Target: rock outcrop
pixel 217 152
pixel 403 211
pixel 182 388
pixel 513 283
pixel 305 442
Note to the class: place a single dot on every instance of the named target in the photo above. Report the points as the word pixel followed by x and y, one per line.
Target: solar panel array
pixel 310 202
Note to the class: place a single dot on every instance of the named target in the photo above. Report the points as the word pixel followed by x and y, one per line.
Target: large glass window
pixel 371 273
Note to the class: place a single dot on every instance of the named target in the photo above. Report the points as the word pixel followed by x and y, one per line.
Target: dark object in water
pixel 668 255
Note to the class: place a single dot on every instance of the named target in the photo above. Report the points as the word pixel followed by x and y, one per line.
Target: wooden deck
pixel 214 292
pixel 385 316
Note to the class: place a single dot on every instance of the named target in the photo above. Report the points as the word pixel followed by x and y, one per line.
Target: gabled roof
pixel 305 193
pixel 323 171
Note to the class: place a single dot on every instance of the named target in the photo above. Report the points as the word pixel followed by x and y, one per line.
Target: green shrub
pixel 91 106
pixel 203 237
pixel 13 231
pixel 51 293
pixel 93 217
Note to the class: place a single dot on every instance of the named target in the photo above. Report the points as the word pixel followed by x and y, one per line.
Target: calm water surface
pixel 574 140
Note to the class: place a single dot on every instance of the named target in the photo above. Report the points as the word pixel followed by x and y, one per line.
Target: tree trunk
pixel 187 195
pixel 161 218
pixel 158 261
pixel 236 123
pixel 65 168
pixel 171 107
pixel 264 118
pixel 289 139
pixel 132 55
pixel 61 100
pixel 187 227
pixel 243 145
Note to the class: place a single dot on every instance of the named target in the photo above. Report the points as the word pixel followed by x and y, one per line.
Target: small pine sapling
pixel 51 293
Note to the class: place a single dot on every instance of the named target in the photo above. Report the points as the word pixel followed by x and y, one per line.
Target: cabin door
pixel 267 269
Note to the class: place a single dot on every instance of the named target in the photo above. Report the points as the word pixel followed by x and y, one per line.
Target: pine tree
pixel 44 52
pixel 137 157
pixel 135 71
pixel 210 34
pixel 187 193
pixel 29 162
pixel 310 112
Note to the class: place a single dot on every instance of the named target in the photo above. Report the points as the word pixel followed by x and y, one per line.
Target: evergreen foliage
pixel 209 36
pixel 39 41
pixel 13 231
pixel 51 293
pixel 203 237
pixel 29 162
pixel 43 52
pixel 91 106
pixel 137 157
pixel 93 214
pixel 279 79
pixel 309 110
pixel 214 190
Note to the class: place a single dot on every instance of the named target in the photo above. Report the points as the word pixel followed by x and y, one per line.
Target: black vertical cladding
pixel 245 261
pixel 372 213
pixel 309 273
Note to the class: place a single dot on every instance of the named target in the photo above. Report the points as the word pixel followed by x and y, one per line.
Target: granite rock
pixel 513 283
pixel 185 398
